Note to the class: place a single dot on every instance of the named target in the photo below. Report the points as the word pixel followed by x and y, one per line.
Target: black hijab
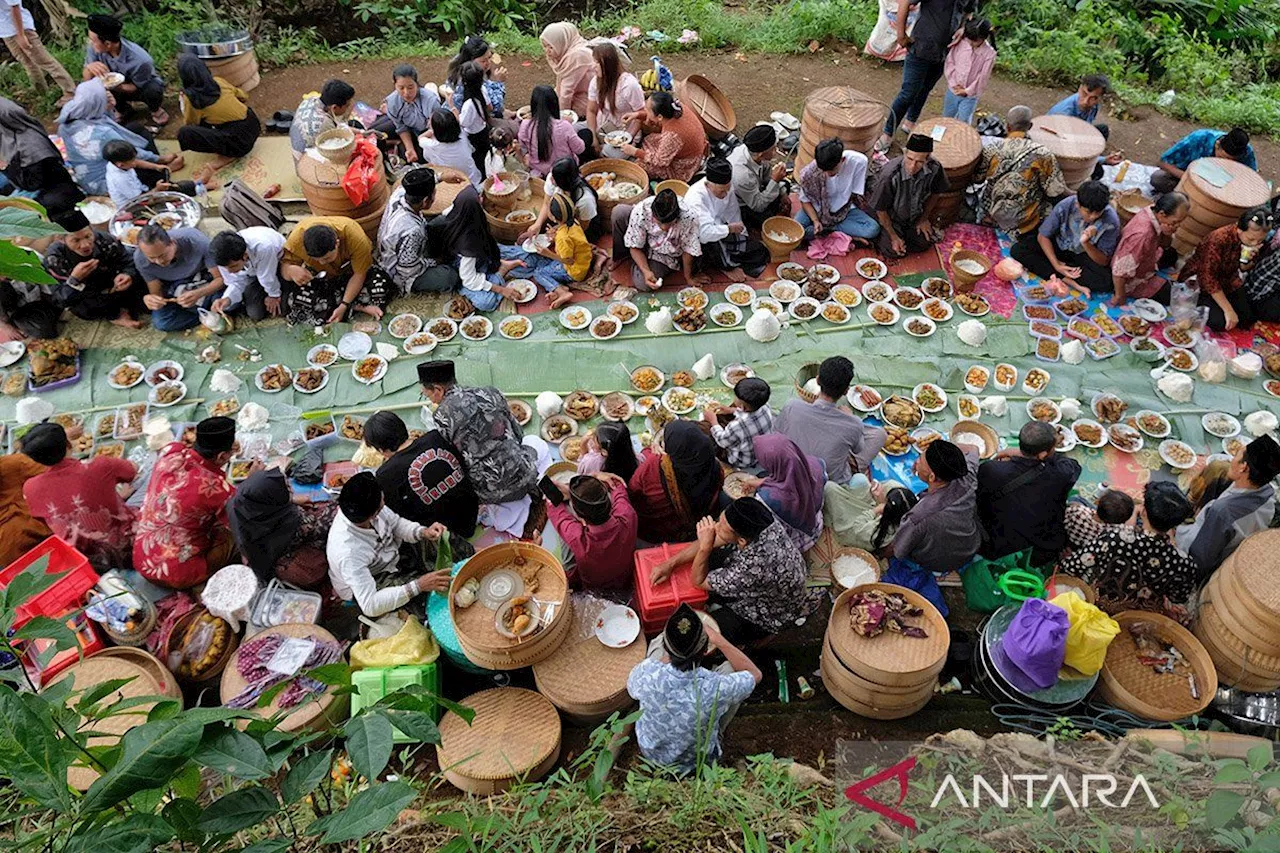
pixel 464 231
pixel 197 82
pixel 694 459
pixel 263 520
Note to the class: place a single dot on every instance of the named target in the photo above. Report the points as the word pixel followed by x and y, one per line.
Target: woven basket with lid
pixel 316 712
pixel 710 104
pixel 560 677
pixel 957 151
pixel 1074 142
pixel 515 735
pixel 1213 206
pixel 890 659
pixel 844 112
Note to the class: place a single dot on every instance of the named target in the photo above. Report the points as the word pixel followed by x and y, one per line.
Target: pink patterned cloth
pixel 981 239
pixel 835 243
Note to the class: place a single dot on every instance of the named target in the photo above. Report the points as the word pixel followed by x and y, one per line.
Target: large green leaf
pixel 372 810
pixel 153 752
pixel 239 810
pixel 44 628
pixel 415 724
pixel 31 581
pixel 22 265
pixel 183 815
pixel 133 833
pixel 269 845
pixel 21 222
pixel 305 775
pixel 370 740
pixel 231 751
pixel 31 754
pixel 1222 807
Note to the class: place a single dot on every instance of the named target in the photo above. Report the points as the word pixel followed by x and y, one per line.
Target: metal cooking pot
pixel 215 42
pixel 1250 713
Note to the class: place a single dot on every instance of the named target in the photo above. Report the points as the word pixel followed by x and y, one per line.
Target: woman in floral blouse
pixel 1217 264
pixel 1137 257
pixel 676 149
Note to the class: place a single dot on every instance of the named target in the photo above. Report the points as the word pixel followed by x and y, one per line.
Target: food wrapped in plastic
pixel 995 405
pixel 1072 352
pixel 1176 386
pixel 763 326
pixel 1260 423
pixel 659 322
pixel 548 403
pixel 1070 408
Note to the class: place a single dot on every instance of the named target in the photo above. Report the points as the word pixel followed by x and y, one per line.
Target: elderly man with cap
pixel 1021 179
pixel 1247 506
pixel 97 278
pixel 684 707
pixel 721 231
pixel 758 181
pixel 1022 496
pixel 754 572
pixel 402 237
pixel 598 528
pixel 183 534
pixel 479 423
pixel 904 198
pixel 750 417
pixel 106 52
pixel 364 550
pixel 941 532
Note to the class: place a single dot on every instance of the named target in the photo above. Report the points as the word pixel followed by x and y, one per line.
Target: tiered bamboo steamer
pixel 515 736
pixel 584 678
pixel 623 170
pixel 958 152
pixel 529 201
pixel 240 70
pixel 315 713
pixel 1239 616
pixel 1075 144
pixel 322 187
pixel 710 105
pixel 148 677
pixel 853 116
pixel 449 182
pixel 480 640
pixel 1211 206
pixel 1130 685
pixel 890 676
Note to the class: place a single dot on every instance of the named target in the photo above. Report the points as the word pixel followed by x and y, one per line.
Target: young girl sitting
pixel 504 155
pixel 576 257
pixel 967 69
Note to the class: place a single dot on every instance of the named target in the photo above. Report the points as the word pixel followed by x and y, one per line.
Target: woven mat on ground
pixel 270 162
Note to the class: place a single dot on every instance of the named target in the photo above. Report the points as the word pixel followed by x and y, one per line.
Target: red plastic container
pixel 67 593
pixel 655 604
pixel 86 631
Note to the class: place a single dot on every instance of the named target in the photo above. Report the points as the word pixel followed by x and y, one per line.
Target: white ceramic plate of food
pixel 604 328
pixel 871 269
pixel 475 328
pixel 444 328
pixel 354 345
pixel 726 315
pixel 785 291
pixel 1181 359
pixel 521 411
pixel 732 374
pixel 877 291
pixel 864 398
pixel 1150 310
pixel 908 298
pixel 680 401
pixel 804 309
pixel 883 313
pixel 617 407
pixel 929 397
pixel 834 312
pixel 648 379
pixel 937 310
pixel 846 295
pixel 404 325
pixel 273 379
pixel 1153 424
pixel 768 303
pixel 322 355
pixel 125 375
pixel 693 297
pixel 420 344
pixel 557 428
pixel 165 370
pixel 792 272
pixel 973 304
pixel 369 369
pixel 575 318
pixel 525 289
pixel 1043 409
pixel 1220 425
pixel 513 328
pixel 624 310
pixel 167 394
pixel 740 294
pixel 1090 433
pixel 309 380
pixel 920 327
pixel 1066 439
pixel 1178 454
pixel 1178 337
pixel 11 351
pixel 1124 438
pixel 1107 407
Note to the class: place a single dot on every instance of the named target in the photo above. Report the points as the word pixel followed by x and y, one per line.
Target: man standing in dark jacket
pixel 1022 497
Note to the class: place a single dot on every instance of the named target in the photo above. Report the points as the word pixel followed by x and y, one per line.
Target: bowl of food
pixel 164 371
pixel 1153 424
pixel 604 328
pixel 804 309
pixel 581 405
pixel 936 288
pixel 871 269
pixel 624 311
pixel 420 344
pixel 883 313
pixel 793 272
pixel 908 298
pixel 973 304
pixel 1179 337
pixel 309 380
pixel 1178 454
pixel 930 397
pixel 1181 359
pixel 1064 439
pixel 1124 438
pixel 976 379
pixel 521 411
pixel 726 315
pixel 846 295
pixel 617 407
pixel 740 294
pixel 557 428
pixel 273 379
pixel 679 401
pixel 1005 377
pixel 443 328
pixel 732 374
pixel 1108 407
pixel 513 328
pixel 167 394
pixel 693 297
pixel 968 407
pixel 877 291
pixel 476 328
pixel 825 274
pixel 1147 349
pixel 937 310
pixel 785 291
pixel 520 217
pixel 920 327
pixel 768 303
pixel 1037 379
pixel 834 312
pixel 1043 409
pixel 648 379
pixel 404 325
pixel 575 318
pixel 322 355
pixel 617 138
pixel 902 412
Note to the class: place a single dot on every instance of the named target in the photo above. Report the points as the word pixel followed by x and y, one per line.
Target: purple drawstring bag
pixel 1032 650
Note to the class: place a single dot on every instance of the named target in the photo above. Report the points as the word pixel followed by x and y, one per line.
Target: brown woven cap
pixel 1067 137
pixel 584 671
pixel 514 731
pixel 890 652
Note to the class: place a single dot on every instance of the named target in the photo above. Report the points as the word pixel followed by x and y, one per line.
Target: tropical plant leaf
pixel 269 845
pixel 416 724
pixel 239 810
pixel 231 751
pixel 184 816
pixel 1260 756
pixel 98 692
pixel 45 628
pixel 370 740
pixel 305 775
pixel 372 810
pixel 21 222
pixel 134 833
pixel 31 754
pixel 1231 773
pixel 1222 807
pixel 152 753
pixel 22 265
pixel 31 581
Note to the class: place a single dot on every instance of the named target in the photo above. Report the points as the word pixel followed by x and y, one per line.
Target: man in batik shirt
pixel 1023 179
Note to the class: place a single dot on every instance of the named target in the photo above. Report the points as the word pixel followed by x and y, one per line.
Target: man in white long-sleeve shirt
pixel 725 244
pixel 364 546
pixel 249 261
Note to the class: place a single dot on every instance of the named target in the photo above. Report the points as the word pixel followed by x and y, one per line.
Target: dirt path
pixel 756 86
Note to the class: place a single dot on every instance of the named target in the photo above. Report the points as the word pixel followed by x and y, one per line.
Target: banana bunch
pixel 219 635
pixel 649 81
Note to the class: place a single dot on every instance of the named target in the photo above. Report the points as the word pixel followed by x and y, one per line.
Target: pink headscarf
pixel 566 49
pixel 793 479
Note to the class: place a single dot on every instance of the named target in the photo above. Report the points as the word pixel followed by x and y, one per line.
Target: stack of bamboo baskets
pixel 1075 144
pixel 1214 206
pixel 1239 617
pixel 322 187
pixel 855 117
pixel 958 151
pixel 888 676
pixel 584 678
pixel 515 736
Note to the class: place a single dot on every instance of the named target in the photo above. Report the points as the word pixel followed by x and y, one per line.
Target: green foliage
pixel 455 17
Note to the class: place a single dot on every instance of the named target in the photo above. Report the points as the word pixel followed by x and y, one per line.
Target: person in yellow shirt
pixel 217 119
pixel 328 270
pixel 577 258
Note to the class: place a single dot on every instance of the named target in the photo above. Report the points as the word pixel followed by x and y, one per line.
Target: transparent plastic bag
pixel 1213 362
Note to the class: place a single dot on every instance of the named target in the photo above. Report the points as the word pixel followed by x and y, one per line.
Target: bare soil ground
pixel 757 85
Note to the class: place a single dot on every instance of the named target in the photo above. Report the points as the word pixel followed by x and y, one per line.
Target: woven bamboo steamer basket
pixel 1238 617
pixel 315 713
pixel 1196 231
pixel 479 639
pixel 560 676
pixel 1250 574
pixel 711 105
pixel 1208 219
pixel 841 551
pixel 509 232
pixel 898 696
pixel 677 187
pixel 864 703
pixel 990 439
pixel 1184 245
pixel 958 150
pixel 1064 583
pixel 624 170
pixel 965 282
pixel 891 659
pixel 1246 188
pixel 240 70
pixel 1074 142
pixel 371 222
pixel 322 188
pixel 804 374
pixel 379 195
pixel 149 678
pixel 1128 203
pixel 1238 665
pixel 514 736
pixel 947 209
pixel 1130 686
pixel 514 185
pixel 449 182
pixel 843 112
pixel 780 251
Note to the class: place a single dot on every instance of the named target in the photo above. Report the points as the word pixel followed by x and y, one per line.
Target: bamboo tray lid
pixel 1130 685
pixel 474 624
pixel 1246 188
pixel 449 182
pixel 843 106
pixel 150 678
pixel 711 105
pixel 899 658
pixel 313 710
pixel 1253 568
pixel 584 671
pixel 1067 137
pixel 514 732
pixel 324 173
pixel 959 148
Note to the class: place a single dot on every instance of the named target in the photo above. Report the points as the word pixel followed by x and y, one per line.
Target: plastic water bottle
pixel 202 194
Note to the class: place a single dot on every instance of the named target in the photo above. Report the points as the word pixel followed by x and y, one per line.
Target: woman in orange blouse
pixel 677 148
pixel 19 532
pixel 1216 267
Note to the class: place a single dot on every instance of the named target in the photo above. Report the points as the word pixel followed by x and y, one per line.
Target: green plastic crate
pixel 373 684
